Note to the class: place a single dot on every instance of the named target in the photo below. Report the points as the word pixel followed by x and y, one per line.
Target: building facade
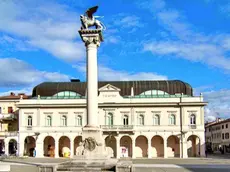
pixel 137 118
pixel 217 136
pixel 9 123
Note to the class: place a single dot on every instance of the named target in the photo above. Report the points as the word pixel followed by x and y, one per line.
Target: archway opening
pixel 29 146
pixel 77 142
pixel 193 146
pixel 12 147
pixel 141 146
pixel 49 146
pixel 157 146
pixel 64 147
pixel 173 146
pixel 126 146
pixel 111 145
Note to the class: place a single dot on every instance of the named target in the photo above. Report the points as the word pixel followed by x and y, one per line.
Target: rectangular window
pixel 223 136
pixel 222 126
pixel 10 109
pixel 226 125
pixel 0 110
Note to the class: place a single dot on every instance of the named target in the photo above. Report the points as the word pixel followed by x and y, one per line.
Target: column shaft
pixel 56 149
pixel 72 148
pixel 133 148
pixel 92 85
pixel 118 148
pixel 149 148
pixel 165 149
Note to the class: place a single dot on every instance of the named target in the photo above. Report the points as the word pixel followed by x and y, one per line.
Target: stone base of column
pixel 93 145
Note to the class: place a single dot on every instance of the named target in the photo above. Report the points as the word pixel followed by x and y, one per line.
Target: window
pixel 226 126
pixel 29 121
pixel 10 109
pixel 222 126
pixel 192 119
pixel 64 121
pixel 226 135
pixel 125 120
pixel 109 119
pixel 172 120
pixel 0 110
pixel 79 120
pixel 141 119
pixel 156 120
pixel 48 121
pixel 223 136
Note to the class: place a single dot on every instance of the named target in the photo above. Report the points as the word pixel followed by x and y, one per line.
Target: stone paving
pixel 211 164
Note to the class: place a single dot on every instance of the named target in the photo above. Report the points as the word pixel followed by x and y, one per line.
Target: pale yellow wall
pixel 4 105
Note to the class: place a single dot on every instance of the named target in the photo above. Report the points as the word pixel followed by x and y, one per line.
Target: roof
pixel 14 97
pixel 172 87
pixel 217 123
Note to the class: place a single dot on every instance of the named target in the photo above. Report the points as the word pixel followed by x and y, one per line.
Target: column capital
pixel 91 37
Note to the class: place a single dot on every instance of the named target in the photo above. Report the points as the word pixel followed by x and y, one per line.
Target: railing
pixel 7 116
pixel 192 126
pixel 117 127
pixel 8 133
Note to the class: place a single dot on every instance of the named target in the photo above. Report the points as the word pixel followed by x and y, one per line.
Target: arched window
pixel 125 120
pixel 156 120
pixel 192 119
pixel 29 121
pixel 48 121
pixel 172 120
pixel 109 120
pixel 64 120
pixel 141 119
pixel 67 94
pixel 79 120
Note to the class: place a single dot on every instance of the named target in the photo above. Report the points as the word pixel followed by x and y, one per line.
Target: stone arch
pixel 77 141
pixel 64 146
pixel 141 146
pixel 49 146
pixel 12 147
pixel 126 146
pixel 173 146
pixel 29 145
pixel 157 145
pixel 111 145
pixel 193 146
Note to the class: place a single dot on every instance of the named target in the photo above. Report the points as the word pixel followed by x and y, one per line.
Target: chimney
pixel 75 80
pixel 12 94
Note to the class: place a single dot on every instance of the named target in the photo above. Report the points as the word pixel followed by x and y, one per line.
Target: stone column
pixel 185 152
pixel 133 147
pixel 165 148
pixel 92 39
pixel 39 148
pixel 72 148
pixel 149 148
pixel 6 147
pixel 118 147
pixel 56 148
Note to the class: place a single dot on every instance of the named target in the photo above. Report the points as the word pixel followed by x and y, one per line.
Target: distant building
pixel 9 123
pixel 217 135
pixel 137 118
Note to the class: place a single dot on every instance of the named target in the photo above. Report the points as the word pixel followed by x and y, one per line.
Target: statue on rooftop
pixel 88 20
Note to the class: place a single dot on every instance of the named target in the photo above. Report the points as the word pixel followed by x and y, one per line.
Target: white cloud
pixel 27 91
pixel 199 52
pixel 185 43
pixel 109 74
pixel 17 73
pixel 46 25
pixel 218 104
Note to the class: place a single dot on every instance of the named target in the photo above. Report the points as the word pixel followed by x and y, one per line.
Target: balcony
pixel 8 116
pixel 117 127
pixel 8 133
pixel 193 126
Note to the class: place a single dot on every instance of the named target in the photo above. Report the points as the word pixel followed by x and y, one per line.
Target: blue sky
pixel 144 40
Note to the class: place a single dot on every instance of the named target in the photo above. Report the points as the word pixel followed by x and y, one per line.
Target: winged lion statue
pixel 88 20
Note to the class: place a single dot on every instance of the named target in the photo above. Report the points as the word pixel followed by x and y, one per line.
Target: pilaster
pixel 56 148
pixel 71 148
pixel 149 148
pixel 133 147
